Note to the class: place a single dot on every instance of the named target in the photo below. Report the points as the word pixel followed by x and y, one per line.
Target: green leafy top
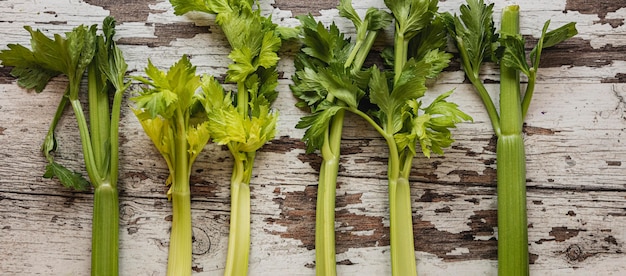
pixel 69 55
pixel 475 36
pixel 243 119
pixel 397 112
pixel 514 53
pixel 411 16
pixel 73 54
pixel 170 111
pixel 328 74
pixel 474 33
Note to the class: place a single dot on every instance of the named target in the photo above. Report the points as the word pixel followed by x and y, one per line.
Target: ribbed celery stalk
pixel 167 109
pixel 511 161
pixel 326 82
pixel 179 258
pixel 325 263
pixel 239 237
pixel 475 37
pixel 400 213
pixel 104 244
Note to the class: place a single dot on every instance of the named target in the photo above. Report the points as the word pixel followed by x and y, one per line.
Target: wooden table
pixel 575 136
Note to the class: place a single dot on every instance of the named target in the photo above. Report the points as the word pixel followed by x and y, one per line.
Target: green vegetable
pixel 80 51
pixel 171 114
pixel 243 120
pixel 330 86
pixel 475 36
pixel 327 81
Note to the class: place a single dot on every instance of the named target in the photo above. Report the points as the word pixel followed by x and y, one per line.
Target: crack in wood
pixel 532 130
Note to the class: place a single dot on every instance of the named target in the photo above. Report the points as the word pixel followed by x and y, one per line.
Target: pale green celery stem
pixel 400 215
pixel 239 234
pixel 360 51
pixel 179 256
pixel 99 119
pixel 472 74
pixel 115 122
pixel 528 95
pixel 401 52
pixel 104 238
pixel 511 162
pixel 325 263
pixel 83 128
pixel 55 121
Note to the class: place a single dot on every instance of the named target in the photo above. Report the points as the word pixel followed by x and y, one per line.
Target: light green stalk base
pixel 325 259
pixel 179 256
pixel 104 252
pixel 239 235
pixel 511 162
pixel 401 228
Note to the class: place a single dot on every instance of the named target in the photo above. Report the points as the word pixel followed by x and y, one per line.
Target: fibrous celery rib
pixel 477 40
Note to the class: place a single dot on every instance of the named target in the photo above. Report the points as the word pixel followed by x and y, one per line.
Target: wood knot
pixel 201 243
pixel 574 253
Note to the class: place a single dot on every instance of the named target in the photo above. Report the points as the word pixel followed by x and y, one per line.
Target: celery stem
pixel 99 119
pixel 179 256
pixel 325 263
pixel 530 89
pixel 104 252
pixel 239 234
pixel 511 162
pixel 401 228
pixel 400 217
pixel 401 53
pixel 83 129
pixel 49 140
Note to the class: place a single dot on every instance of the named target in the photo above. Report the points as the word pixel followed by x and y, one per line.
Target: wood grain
pixel 575 137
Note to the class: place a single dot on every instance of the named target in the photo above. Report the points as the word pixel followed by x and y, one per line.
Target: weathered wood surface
pixel 575 137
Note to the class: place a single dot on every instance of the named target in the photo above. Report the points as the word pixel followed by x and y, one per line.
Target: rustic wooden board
pixel 575 138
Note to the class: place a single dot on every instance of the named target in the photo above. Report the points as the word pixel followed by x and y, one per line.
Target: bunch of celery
pixel 172 115
pixel 326 81
pixel 476 39
pixel 243 120
pixel 331 80
pixel 80 51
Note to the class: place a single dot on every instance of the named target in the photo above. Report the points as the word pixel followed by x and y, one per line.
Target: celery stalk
pixel 475 37
pixel 511 161
pixel 168 112
pixel 239 237
pixel 326 193
pixel 104 243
